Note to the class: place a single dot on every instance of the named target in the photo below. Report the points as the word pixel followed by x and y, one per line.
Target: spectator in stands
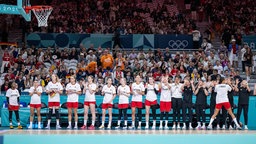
pixel 233 53
pixel 107 60
pixel 20 82
pixel 5 86
pixel 5 60
pixel 248 63
pixel 196 38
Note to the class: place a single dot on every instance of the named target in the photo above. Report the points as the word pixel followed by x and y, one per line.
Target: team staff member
pixel 54 89
pixel 188 88
pixel 138 90
pixel 73 90
pixel 201 93
pixel 151 90
pixel 243 102
pixel 124 93
pixel 222 101
pixel 35 103
pixel 176 101
pixel 13 100
pixel 89 102
pixel 165 101
pixel 109 92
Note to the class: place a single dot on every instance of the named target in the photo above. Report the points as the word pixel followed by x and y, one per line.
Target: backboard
pixel 16 9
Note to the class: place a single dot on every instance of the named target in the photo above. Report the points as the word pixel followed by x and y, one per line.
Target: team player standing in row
pixel 170 94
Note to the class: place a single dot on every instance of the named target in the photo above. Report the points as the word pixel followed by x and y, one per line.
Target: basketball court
pixel 129 136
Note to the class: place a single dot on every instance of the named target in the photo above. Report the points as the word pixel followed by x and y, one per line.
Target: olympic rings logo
pixel 178 44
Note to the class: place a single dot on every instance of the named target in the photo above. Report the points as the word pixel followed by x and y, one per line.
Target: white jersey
pixel 73 97
pixel 123 99
pixel 176 90
pixel 55 96
pixel 151 95
pixel 165 93
pixel 137 87
pixel 13 96
pixel 35 98
pixel 108 93
pixel 90 97
pixel 222 93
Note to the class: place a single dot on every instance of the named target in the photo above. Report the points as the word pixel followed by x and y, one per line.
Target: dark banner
pixel 141 41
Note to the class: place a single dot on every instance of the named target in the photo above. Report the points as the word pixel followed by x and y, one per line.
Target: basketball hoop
pixel 41 12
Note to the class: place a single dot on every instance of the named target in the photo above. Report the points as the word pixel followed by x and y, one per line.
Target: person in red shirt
pixel 6 59
pixel 174 70
pixel 157 75
pixel 9 76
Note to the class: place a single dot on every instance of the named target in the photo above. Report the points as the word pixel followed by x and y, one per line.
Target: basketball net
pixel 42 15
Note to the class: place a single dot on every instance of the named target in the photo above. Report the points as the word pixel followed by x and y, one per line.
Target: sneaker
pixel 39 127
pixel 230 127
pixel 245 127
pixel 139 127
pixel 174 127
pixel 238 128
pixel 109 127
pixel 69 127
pixel 101 127
pixel 146 127
pixel 166 127
pixel 125 127
pixel 11 126
pixel 91 127
pixel 20 127
pixel 223 127
pixel 218 127
pixel 203 127
pixel 178 127
pixel 153 127
pixel 84 127
pixel 190 127
pixel 30 127
pixel 198 127
pixel 209 127
pixel 47 127
pixel 58 127
pixel 184 127
pixel 160 127
pixel 117 127
pixel 75 127
pixel 132 127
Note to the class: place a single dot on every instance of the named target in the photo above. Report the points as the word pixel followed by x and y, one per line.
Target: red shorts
pixel 150 103
pixel 13 108
pixel 88 103
pixel 136 104
pixel 165 106
pixel 35 105
pixel 72 104
pixel 53 104
pixel 106 105
pixel 226 105
pixel 123 106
